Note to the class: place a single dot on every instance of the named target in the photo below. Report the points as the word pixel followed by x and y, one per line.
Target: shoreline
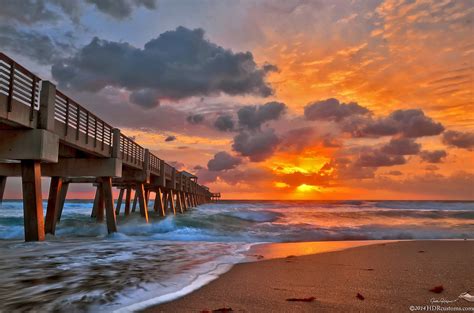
pixel 335 275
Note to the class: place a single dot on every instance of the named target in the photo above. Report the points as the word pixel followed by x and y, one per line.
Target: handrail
pixel 72 114
pixel 131 151
pixel 154 163
pixel 19 84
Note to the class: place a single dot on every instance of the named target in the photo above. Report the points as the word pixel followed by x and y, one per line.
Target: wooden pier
pixel 45 133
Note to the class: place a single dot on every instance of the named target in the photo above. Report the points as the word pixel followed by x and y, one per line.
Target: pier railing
pixel 20 85
pixel 75 125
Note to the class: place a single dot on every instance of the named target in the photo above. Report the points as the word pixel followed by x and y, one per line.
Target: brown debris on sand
pixel 360 297
pixel 221 310
pixel 437 289
pixel 310 299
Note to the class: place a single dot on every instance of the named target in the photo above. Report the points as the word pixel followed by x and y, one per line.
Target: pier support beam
pixel 119 201
pixel 54 200
pixel 135 198
pixel 62 200
pixel 99 213
pixel 158 206
pixel 106 183
pixel 179 204
pixel 142 201
pixel 3 182
pixel 127 200
pixel 32 202
pixel 182 194
pixel 171 200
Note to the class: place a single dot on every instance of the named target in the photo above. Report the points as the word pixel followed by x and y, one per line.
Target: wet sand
pixel 389 277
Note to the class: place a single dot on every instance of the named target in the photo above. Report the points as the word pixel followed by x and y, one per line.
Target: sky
pixel 270 99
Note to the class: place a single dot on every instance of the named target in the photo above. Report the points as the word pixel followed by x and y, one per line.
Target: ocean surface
pixel 83 269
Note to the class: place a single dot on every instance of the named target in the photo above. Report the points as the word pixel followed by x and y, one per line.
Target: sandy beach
pixel 385 277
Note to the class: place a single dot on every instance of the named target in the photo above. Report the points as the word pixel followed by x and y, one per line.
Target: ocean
pixel 83 269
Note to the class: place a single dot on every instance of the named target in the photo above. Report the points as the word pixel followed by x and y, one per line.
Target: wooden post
pixel 171 199
pixel 147 196
pixel 47 106
pixel 179 205
pixel 115 143
pixel 3 182
pixel 32 202
pixel 106 183
pixel 119 202
pixel 100 204
pixel 96 202
pixel 135 198
pixel 53 205
pixel 62 200
pixel 127 200
pixel 183 200
pixel 158 207
pixel 142 201
pixel 165 200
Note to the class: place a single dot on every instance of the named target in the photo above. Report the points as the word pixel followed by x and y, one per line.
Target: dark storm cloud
pixel 401 146
pixel 377 158
pixel 121 9
pixel 224 123
pixel 32 44
pixel 27 11
pixel 254 116
pixel 411 123
pixel 146 98
pixel 170 138
pixel 332 110
pixel 257 146
pixel 195 119
pixel 346 169
pixel 30 12
pixel 223 161
pixel 435 156
pixel 176 65
pixel 458 139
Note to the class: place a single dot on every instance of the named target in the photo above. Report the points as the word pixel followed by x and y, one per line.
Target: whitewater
pixel 84 269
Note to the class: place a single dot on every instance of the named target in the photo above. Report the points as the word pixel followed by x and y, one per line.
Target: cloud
pixel 332 110
pixel 170 138
pixel 223 161
pixel 401 146
pixel 458 185
pixel 253 116
pixel 177 165
pixel 32 44
pixel 224 123
pixel 177 64
pixel 464 140
pixel 146 98
pixel 121 9
pixel 27 11
pixel 30 12
pixel 434 156
pixel 346 169
pixel 195 119
pixel 258 146
pixel 412 123
pixel 297 139
pixel 377 158
pixel 394 173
